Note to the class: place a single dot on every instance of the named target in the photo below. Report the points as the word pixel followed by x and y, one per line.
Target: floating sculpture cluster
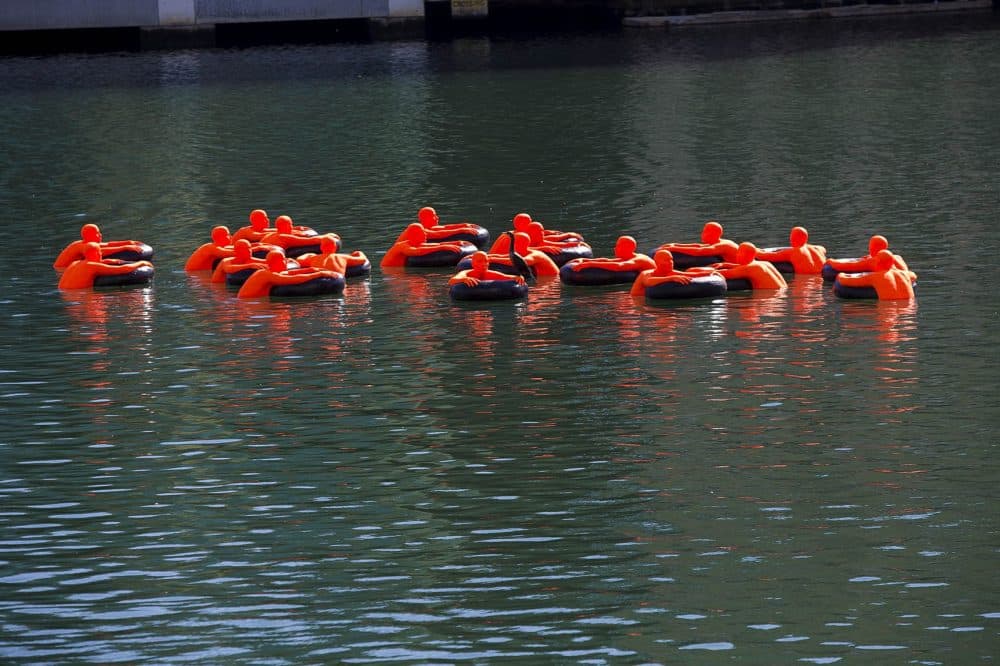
pixel 293 260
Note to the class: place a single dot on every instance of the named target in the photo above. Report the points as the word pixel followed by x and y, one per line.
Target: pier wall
pixel 82 14
pixel 28 25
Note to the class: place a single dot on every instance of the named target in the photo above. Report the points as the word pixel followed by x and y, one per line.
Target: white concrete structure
pixel 69 14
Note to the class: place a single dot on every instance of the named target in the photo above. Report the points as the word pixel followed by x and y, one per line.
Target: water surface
pixel 576 478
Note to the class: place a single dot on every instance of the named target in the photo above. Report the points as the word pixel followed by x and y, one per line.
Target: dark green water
pixel 577 478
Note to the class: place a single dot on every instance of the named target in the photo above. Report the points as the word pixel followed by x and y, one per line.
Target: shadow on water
pixel 247 53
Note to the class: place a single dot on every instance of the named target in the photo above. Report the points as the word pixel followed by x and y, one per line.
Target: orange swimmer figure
pixel 888 281
pixel 208 255
pixel 293 241
pixel 538 263
pixel 90 233
pixel 276 273
pixel 414 244
pixel 862 264
pixel 626 259
pixel 521 223
pixel 351 265
pixel 436 232
pixel 712 245
pixel 665 272
pixel 748 273
pixel 82 273
pixel 502 244
pixel 801 257
pixel 559 251
pixel 481 272
pixel 241 260
pixel 260 226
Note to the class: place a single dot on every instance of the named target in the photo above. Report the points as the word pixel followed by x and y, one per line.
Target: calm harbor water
pixel 576 478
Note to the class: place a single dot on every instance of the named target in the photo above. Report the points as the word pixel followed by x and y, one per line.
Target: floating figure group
pixel 623 268
pixel 125 250
pixel 277 278
pixel 94 262
pixel 436 232
pixel 284 260
pixel 289 259
pixel 93 270
pixel 413 249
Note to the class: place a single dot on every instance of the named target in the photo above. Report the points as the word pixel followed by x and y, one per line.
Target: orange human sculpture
pixel 749 273
pixel 277 279
pixel 206 256
pixel 801 257
pixel 623 268
pixel 127 250
pixel 713 248
pixel 559 251
pixel 238 267
pixel 260 226
pixel 414 250
pixel 92 270
pixel 292 241
pixel 352 264
pixel 436 232
pixel 886 282
pixel 521 222
pixel 537 262
pixel 555 235
pixel 664 273
pixel 863 264
pixel 481 271
pixel 481 283
pixel 520 259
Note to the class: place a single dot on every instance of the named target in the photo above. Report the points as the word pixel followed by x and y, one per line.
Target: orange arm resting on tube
pixel 890 283
pixel 80 274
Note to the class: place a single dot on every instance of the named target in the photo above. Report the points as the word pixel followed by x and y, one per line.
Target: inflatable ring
pixel 830 273
pixel 439 258
pixel 360 270
pixel 488 290
pixel 497 266
pixel 480 238
pixel 683 261
pixel 591 277
pixel 570 252
pixel 141 275
pixel 144 253
pixel 237 278
pixel 853 292
pixel 315 287
pixel 739 284
pixel 784 267
pixel 704 286
pixel 299 250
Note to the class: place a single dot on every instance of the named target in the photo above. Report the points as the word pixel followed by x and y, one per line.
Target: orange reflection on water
pixel 889 331
pixel 418 295
pixel 479 327
pixel 98 315
pixel 539 314
pixel 759 316
pixel 103 322
pixel 627 321
pixel 808 300
pixel 660 339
